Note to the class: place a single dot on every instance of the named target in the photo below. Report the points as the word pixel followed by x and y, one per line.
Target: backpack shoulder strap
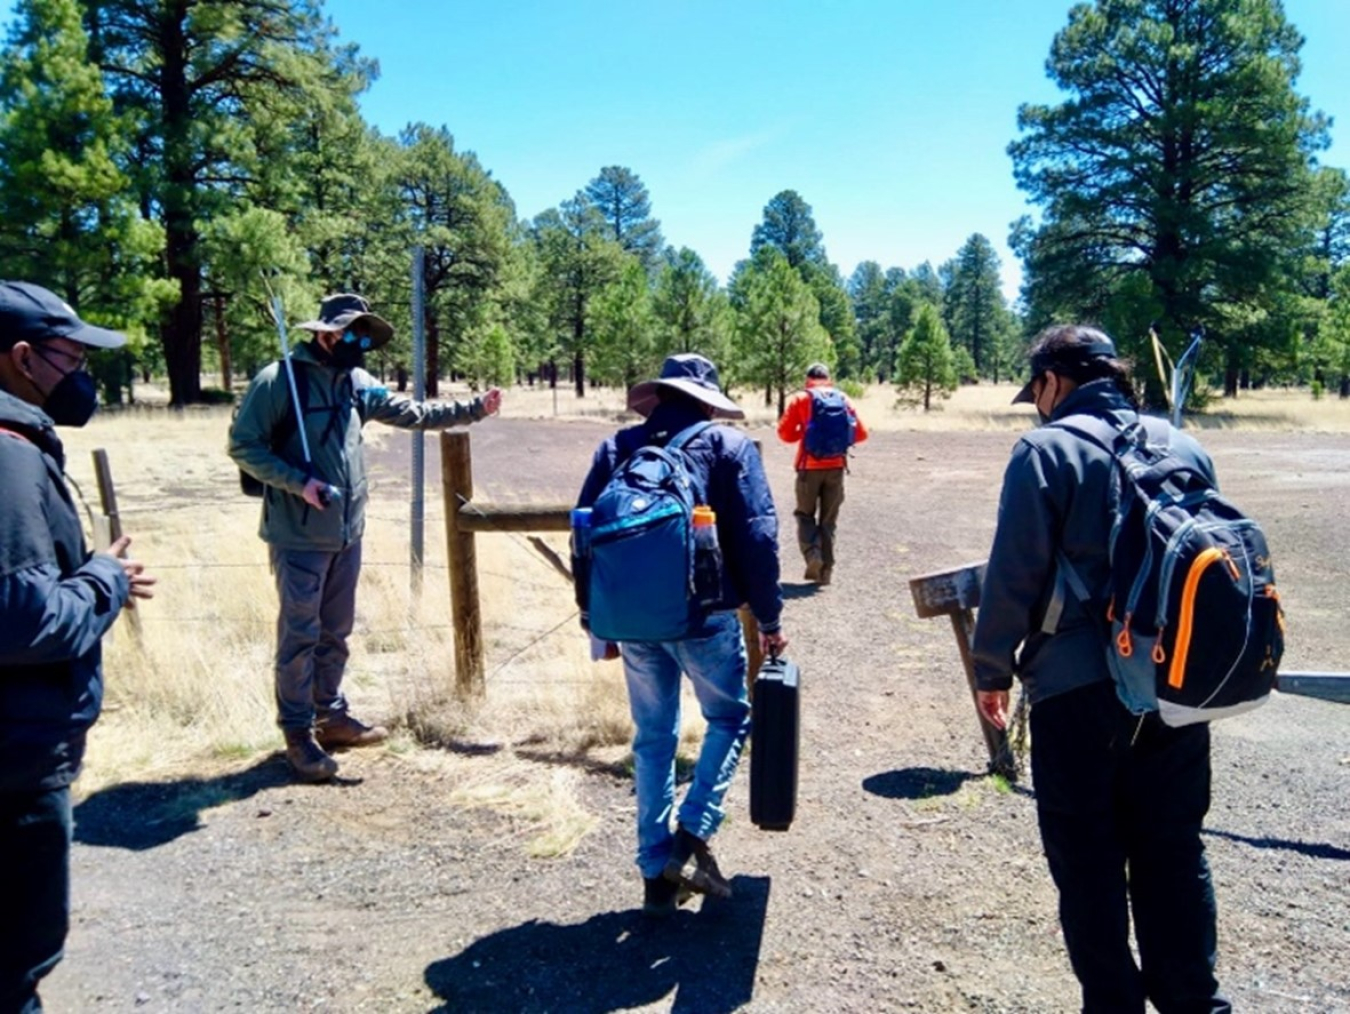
pixel 681 439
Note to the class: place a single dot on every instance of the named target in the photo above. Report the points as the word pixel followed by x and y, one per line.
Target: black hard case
pixel 775 731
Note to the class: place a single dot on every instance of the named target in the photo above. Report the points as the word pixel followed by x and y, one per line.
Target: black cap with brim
pixel 1063 359
pixel 30 313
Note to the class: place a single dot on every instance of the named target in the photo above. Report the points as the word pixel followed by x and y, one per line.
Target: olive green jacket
pixel 337 404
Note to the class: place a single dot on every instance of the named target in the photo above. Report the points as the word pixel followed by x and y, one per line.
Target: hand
pixel 315 494
pixel 993 705
pixel 772 645
pixel 141 583
pixel 492 401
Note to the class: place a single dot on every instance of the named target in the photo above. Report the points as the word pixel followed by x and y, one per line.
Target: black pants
pixel 1120 804
pixel 35 833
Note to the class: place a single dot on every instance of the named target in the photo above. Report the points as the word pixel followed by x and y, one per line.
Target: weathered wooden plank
pixel 948 591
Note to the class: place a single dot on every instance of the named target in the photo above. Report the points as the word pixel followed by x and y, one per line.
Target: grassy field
pixel 191 690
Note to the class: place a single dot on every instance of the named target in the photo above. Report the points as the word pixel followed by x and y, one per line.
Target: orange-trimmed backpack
pixel 1194 620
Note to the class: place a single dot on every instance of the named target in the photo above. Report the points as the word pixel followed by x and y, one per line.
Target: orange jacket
pixel 792 427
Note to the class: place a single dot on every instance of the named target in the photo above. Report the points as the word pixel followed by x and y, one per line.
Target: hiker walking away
pixel 313 513
pixel 727 475
pixel 1120 798
pixel 57 600
pixel 827 425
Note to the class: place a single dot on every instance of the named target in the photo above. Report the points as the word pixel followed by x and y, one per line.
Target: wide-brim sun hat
pixel 690 374
pixel 1064 357
pixel 348 312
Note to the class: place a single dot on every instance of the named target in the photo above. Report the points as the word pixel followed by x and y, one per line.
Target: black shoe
pixel 661 897
pixel 692 865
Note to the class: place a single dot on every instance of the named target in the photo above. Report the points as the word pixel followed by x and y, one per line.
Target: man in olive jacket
pixel 313 512
pixel 57 600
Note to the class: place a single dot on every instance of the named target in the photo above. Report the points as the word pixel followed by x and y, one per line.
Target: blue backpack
pixel 642 546
pixel 1193 618
pixel 832 429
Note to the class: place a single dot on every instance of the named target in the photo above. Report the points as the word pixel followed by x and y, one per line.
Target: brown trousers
pixel 820 494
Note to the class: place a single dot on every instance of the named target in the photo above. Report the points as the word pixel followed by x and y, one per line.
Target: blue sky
pixel 890 117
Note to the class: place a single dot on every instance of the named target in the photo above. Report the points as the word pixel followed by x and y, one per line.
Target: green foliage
pixel 692 312
pixel 461 218
pixel 66 219
pixel 622 201
pixel 974 309
pixel 853 388
pixel 487 358
pixel 577 259
pixel 778 332
pixel 926 365
pixel 789 227
pixel 625 329
pixel 1183 158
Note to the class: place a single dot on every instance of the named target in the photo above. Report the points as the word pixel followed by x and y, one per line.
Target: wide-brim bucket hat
pixel 690 374
pixel 348 312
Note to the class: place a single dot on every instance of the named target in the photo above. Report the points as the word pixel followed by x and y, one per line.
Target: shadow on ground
pixel 144 815
pixel 614 961
pixel 1316 850
pixel 917 783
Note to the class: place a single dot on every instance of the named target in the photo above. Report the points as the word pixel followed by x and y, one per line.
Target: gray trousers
pixel 820 494
pixel 317 591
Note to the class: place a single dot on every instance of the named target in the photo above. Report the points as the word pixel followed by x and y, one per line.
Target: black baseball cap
pixel 1065 359
pixel 30 313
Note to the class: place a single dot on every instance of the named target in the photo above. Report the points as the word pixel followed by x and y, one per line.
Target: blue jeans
pixel 35 832
pixel 716 665
pixel 318 609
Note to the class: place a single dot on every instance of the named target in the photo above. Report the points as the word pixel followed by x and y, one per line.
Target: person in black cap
pixel 1120 799
pixel 57 600
pixel 726 468
pixel 313 514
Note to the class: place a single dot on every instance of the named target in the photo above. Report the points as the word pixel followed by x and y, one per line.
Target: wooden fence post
pixel 956 594
pixel 466 615
pixel 107 495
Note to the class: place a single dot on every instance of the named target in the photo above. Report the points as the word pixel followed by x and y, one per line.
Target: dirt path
pixel 909 882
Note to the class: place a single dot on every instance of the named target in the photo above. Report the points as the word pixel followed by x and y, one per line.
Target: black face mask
pixel 347 356
pixel 73 400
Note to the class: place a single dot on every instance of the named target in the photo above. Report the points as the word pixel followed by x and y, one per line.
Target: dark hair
pixel 1081 353
pixel 818 371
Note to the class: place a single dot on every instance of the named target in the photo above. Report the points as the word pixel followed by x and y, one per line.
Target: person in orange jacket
pixel 825 424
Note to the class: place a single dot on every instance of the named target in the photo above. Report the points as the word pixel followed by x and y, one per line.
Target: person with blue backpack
pixel 826 424
pixel 1121 791
pixel 680 530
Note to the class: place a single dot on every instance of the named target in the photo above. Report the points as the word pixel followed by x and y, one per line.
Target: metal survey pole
pixel 419 345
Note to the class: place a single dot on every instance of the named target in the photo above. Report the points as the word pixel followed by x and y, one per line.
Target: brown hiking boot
pixel 307 758
pixel 341 730
pixel 692 866
pixel 815 567
pixel 826 573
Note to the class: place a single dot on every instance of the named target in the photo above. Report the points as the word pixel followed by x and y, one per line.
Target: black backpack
pixel 1194 621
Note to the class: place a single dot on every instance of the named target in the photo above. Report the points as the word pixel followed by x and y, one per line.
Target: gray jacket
pixel 337 404
pixel 1059 495
pixel 56 602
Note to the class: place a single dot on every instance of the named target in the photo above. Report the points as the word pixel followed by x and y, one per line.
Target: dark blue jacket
pixel 728 470
pixel 56 603
pixel 1059 495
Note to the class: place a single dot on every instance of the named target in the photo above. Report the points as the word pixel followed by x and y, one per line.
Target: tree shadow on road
pixel 143 815
pixel 614 961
